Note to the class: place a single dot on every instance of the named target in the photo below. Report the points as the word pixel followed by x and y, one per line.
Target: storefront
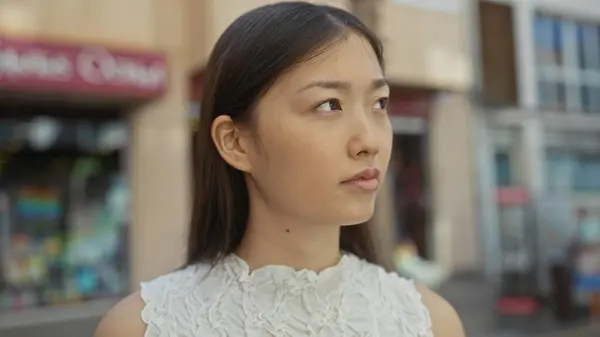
pixel 67 176
pixel 409 170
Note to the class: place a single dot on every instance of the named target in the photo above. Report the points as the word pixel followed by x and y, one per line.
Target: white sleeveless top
pixel 353 298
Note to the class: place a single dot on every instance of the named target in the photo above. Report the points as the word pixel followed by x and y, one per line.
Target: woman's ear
pixel 227 139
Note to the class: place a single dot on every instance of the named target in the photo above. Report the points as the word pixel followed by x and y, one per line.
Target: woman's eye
pixel 381 104
pixel 330 105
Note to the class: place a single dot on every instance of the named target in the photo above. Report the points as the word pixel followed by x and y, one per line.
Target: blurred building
pixel 538 121
pixel 97 98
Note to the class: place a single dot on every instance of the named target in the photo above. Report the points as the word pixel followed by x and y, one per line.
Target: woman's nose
pixel 364 141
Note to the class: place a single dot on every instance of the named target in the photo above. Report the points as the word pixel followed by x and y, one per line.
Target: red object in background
pixel 31 66
pixel 512 196
pixel 517 305
pixel 409 101
pixel 196 84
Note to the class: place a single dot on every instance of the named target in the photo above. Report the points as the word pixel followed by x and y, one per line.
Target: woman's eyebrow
pixel 341 85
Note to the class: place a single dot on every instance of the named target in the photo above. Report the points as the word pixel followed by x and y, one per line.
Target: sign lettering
pixel 27 65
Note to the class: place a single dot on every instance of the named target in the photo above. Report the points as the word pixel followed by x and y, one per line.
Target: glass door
pixel 408 165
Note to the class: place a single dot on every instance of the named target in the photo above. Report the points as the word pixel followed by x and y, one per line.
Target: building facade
pixel 537 121
pixel 431 183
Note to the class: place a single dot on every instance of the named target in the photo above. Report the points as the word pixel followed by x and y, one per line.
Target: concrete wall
pixel 455 232
pixel 423 48
pixel 131 22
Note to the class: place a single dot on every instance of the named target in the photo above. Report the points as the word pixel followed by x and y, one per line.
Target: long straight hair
pixel 247 59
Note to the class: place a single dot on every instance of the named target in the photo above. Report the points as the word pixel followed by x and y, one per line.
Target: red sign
pixel 61 68
pixel 512 196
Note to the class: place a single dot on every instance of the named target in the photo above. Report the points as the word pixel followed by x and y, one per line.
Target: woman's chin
pixel 357 218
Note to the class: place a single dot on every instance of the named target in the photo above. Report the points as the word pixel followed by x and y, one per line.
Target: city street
pixel 474 300
pixel 471 296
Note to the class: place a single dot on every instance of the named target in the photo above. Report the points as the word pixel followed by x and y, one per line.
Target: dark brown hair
pixel 247 59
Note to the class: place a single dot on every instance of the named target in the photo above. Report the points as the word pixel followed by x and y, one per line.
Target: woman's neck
pixel 279 240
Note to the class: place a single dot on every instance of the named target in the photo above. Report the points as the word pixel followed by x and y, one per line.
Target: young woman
pixel 293 143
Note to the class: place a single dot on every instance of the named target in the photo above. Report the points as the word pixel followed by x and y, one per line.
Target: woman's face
pixel 322 138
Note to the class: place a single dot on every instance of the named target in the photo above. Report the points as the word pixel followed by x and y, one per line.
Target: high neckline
pixel 352 298
pixel 238 268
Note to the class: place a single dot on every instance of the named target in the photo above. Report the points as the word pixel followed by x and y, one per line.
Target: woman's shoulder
pixel 176 283
pixel 445 319
pixel 123 320
pixel 140 314
pixel 431 314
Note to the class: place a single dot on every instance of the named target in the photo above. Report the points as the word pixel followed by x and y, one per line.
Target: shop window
pixel 568 63
pixel 63 211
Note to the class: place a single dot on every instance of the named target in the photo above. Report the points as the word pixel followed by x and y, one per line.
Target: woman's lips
pixel 365 180
pixel 368 185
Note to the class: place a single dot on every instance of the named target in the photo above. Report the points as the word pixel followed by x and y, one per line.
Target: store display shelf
pixel 54 314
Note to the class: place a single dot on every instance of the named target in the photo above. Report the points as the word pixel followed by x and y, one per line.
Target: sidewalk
pixel 474 300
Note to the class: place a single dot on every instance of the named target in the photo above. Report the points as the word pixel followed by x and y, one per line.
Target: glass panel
pixel 589 46
pixel 587 173
pixel 595 99
pixel 548 40
pixel 573 97
pixel 503 169
pixel 65 216
pixel 572 172
pixel 551 95
pixel 590 97
pixel 559 171
pixel 586 97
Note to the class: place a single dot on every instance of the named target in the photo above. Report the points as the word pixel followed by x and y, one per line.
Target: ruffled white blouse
pixel 353 298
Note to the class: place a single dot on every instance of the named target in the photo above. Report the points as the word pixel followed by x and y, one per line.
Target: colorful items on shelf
pixel 65 197
pixel 45 264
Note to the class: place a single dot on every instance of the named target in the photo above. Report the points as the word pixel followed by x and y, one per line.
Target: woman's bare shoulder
pixel 445 320
pixel 124 319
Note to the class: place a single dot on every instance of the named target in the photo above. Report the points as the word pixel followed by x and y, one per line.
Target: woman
pixel 293 142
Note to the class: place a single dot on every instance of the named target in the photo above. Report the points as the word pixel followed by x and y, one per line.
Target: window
pixel 568 64
pixel 503 169
pixel 63 211
pixel 498 64
pixel 506 157
pixel 572 172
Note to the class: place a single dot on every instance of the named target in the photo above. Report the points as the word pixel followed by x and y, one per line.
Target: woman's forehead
pixel 350 60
